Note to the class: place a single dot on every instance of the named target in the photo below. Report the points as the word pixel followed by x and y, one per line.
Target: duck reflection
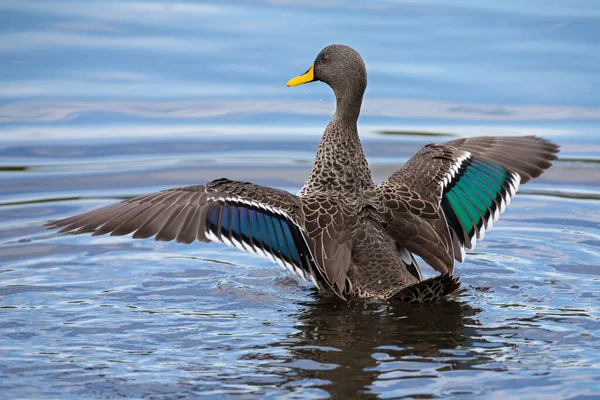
pixel 350 344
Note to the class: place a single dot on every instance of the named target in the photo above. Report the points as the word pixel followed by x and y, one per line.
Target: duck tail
pixel 429 290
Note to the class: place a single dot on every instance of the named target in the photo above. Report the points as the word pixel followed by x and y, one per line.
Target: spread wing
pixel 466 185
pixel 255 218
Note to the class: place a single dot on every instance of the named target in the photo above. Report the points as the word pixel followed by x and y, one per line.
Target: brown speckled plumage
pixel 348 235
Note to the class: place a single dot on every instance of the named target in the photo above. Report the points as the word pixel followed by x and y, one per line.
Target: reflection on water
pixel 364 348
pixel 101 101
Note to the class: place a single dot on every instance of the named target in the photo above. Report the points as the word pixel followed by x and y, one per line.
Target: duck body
pixel 367 262
pixel 346 234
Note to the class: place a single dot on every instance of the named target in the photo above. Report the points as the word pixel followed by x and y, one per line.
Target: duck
pixel 351 237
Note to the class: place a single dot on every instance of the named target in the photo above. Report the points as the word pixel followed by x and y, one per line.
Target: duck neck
pixel 347 106
pixel 340 164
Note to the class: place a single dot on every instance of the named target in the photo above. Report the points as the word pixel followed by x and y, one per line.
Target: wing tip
pixel 55 224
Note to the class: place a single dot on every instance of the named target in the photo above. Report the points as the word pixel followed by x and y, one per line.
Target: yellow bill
pixel 308 76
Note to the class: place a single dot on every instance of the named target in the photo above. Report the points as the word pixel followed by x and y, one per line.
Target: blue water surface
pixel 102 100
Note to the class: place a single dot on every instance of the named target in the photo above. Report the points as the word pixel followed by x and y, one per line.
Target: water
pixel 104 100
